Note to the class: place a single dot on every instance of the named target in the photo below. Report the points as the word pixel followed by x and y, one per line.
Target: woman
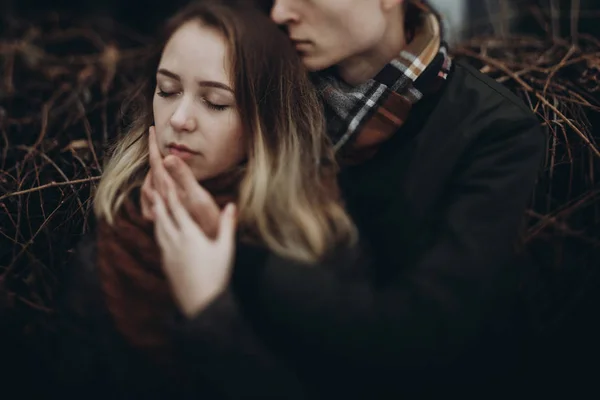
pixel 234 105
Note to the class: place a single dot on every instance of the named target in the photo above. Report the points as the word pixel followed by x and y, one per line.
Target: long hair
pixel 288 198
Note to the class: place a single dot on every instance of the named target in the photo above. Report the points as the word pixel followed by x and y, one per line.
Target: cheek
pixel 154 107
pixel 163 110
pixel 241 146
pixel 356 30
pixel 227 141
pixel 236 144
pixel 158 111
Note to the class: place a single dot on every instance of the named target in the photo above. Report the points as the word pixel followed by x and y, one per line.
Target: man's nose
pixel 282 12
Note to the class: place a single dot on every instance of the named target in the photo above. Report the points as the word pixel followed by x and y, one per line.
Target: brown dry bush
pixel 62 82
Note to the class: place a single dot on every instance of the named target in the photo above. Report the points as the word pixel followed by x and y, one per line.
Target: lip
pixel 301 43
pixel 181 151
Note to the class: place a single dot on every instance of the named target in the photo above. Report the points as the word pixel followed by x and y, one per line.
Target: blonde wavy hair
pixel 288 199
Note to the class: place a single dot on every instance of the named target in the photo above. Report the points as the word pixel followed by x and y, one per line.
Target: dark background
pixel 564 291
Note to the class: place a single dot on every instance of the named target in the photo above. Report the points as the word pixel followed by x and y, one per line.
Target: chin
pixel 202 176
pixel 319 62
pixel 316 63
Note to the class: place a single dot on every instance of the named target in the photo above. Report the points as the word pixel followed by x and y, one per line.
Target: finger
pixel 146 199
pixel 180 172
pixel 148 182
pixel 197 200
pixel 170 187
pixel 164 228
pixel 180 214
pixel 227 227
pixel 147 209
pixel 156 163
pixel 153 152
pixel 204 211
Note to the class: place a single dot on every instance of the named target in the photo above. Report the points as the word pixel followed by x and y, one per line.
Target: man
pixel 439 163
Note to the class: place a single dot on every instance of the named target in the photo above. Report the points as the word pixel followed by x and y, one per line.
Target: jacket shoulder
pixel 481 95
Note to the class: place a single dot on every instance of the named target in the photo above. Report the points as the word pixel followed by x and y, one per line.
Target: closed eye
pixel 210 105
pixel 162 93
pixel 216 107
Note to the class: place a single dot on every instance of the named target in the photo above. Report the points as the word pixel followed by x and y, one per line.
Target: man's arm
pixel 221 347
pixel 432 312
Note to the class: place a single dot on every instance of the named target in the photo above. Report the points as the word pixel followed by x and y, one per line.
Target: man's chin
pixel 315 63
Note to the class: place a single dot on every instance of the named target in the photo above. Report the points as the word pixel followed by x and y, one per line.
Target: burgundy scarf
pixel 136 290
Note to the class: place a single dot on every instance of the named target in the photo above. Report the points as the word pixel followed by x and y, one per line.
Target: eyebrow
pixel 213 84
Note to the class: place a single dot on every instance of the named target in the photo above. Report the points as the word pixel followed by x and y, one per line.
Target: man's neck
pixel 362 67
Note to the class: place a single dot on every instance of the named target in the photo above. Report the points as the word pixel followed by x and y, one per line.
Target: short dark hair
pixel 414 12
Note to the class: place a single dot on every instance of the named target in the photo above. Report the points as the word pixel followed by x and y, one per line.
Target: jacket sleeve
pixel 433 310
pixel 83 355
pixel 221 346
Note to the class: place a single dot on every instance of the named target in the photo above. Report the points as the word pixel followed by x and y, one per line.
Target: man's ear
pixel 387 5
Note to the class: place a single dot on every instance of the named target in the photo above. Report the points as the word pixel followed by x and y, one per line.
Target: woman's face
pixel 195 114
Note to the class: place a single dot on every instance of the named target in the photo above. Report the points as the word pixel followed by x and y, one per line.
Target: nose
pixel 183 118
pixel 282 13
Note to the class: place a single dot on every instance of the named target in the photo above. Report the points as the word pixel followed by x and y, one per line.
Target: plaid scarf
pixel 360 118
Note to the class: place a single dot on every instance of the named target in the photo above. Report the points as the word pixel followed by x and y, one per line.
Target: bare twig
pixel 50 185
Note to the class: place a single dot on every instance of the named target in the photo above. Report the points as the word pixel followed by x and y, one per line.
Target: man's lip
pixel 301 44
